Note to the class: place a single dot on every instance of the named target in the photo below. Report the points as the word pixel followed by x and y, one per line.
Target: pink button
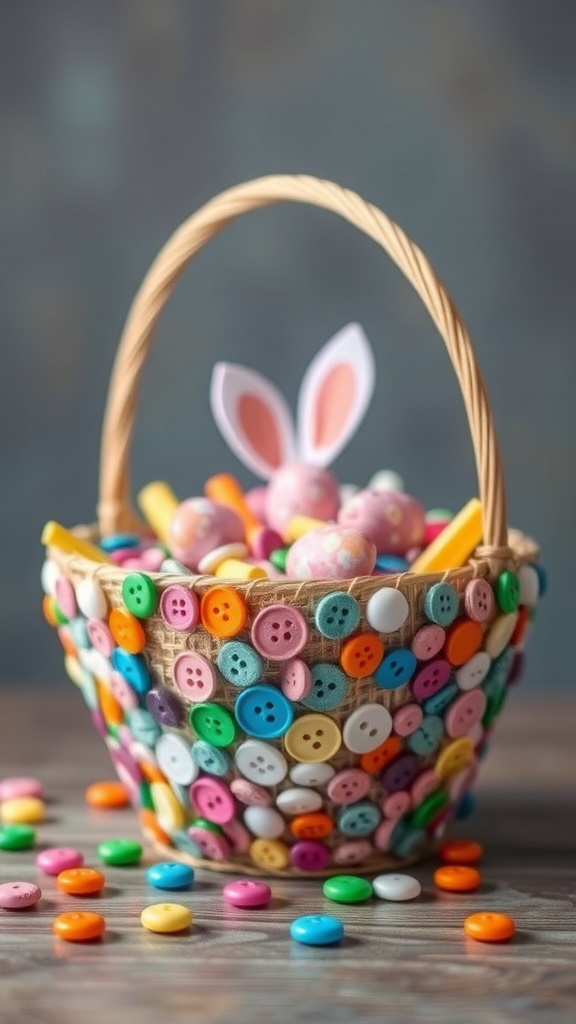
pixel 58 859
pixel 295 679
pixel 65 597
pixel 431 678
pixel 238 836
pixel 397 804
pixel 100 637
pixel 279 632
pixel 20 785
pixel 407 719
pixel 250 793
pixel 353 852
pixel 210 844
pixel 179 607
pixel 247 893
pixel 150 559
pixel 460 783
pixel 348 786
pixel 466 710
pixel 194 676
pixel 125 695
pixel 479 600
pixel 383 835
pixel 212 800
pixel 310 855
pixel 426 783
pixel 428 642
pixel 18 895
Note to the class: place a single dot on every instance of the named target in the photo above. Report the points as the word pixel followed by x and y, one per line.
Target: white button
pixel 261 763
pixel 91 599
pixel 175 759
pixel 500 633
pixel 97 664
pixel 299 800
pixel 396 887
pixel 140 752
pixel 387 610
pixel 473 672
pixel 306 774
pixel 264 822
pixel 529 585
pixel 367 728
pixel 48 576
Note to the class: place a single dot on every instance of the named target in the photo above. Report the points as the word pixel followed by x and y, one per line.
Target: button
pixel 354 851
pixel 213 800
pixel 97 665
pixel 529 585
pixel 133 668
pixel 48 576
pixel 465 712
pixel 397 669
pixel 329 687
pixel 309 855
pixel 317 930
pixel 427 737
pixel 20 785
pixel 479 600
pixel 238 836
pixel 437 704
pixel 400 773
pixel 17 837
pixel 179 607
pixel 347 889
pixel 407 841
pixel 295 679
pixel 119 852
pixel 223 611
pixel 127 630
pixel 264 822
pixel 59 858
pixel 383 835
pixel 337 615
pixel 348 786
pixel 463 640
pixel 500 633
pixel 279 632
pixel 139 594
pixel 79 633
pixel 462 781
pixel 507 591
pixel 100 637
pixel 164 706
pixel 212 845
pixel 264 712
pixel 65 597
pixel 361 655
pixel 315 825
pixel 431 678
pixel 169 810
pixel 387 610
pixel 375 760
pixel 105 795
pixel 261 763
pixel 115 541
pixel 213 723
pixel 488 926
pixel 247 893
pixel 454 757
pixel 396 888
pixel 457 878
pixel 441 604
pixel 22 810
pixel 270 854
pixel 170 875
pixel 366 728
pixel 250 793
pixel 298 800
pixel 80 881
pixel 428 642
pixel 194 676
pixel 143 727
pixel 313 738
pixel 166 918
pixel 210 759
pixel 311 774
pixel 19 895
pixel 239 663
pixel 359 819
pixel 428 810
pixel 175 759
pixel 123 692
pixel 473 672
pixel 79 927
pixel 522 623
pixel 407 719
pixel 460 851
pixel 397 804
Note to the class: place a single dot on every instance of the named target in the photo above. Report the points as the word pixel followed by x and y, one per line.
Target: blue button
pixel 79 633
pixel 407 841
pixel 264 712
pixel 337 615
pixel 317 930
pixel 441 604
pixel 396 669
pixel 239 663
pixel 170 875
pixel 542 579
pixel 391 564
pixel 119 540
pixel 428 735
pixel 133 668
pixel 142 726
pixel 466 806
pixel 498 673
pixel 437 704
pixel 358 819
pixel 210 759
pixel 329 687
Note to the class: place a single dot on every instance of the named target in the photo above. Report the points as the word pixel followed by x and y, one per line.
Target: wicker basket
pixel 431 777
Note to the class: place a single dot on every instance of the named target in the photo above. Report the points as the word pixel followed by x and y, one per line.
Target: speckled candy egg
pixel 393 521
pixel 198 526
pixel 301 490
pixel 331 553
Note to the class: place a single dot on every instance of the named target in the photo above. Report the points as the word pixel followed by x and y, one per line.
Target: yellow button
pixel 74 670
pixel 454 757
pixel 22 810
pixel 169 811
pixel 313 738
pixel 500 633
pixel 166 917
pixel 270 854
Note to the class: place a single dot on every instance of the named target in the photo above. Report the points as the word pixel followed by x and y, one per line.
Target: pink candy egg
pixel 301 490
pixel 331 553
pixel 393 521
pixel 198 526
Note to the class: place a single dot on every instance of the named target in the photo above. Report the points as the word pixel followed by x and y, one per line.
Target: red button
pixel 279 632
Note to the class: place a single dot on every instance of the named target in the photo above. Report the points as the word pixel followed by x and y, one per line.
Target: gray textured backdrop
pixel 117 119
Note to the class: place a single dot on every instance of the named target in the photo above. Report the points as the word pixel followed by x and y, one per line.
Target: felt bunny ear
pixel 334 395
pixel 253 418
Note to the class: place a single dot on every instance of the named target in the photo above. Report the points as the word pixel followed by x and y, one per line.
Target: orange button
pixel 463 640
pixel 81 881
pixel 520 627
pixel 79 927
pixel 315 825
pixel 67 642
pixel 112 713
pixel 361 655
pixel 151 828
pixel 489 927
pixel 375 760
pixel 223 611
pixel 107 794
pixel 460 851
pixel 457 878
pixel 48 610
pixel 127 630
pixel 151 772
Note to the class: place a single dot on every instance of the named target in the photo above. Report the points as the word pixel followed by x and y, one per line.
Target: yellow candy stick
pixel 57 536
pixel 452 548
pixel 158 503
pixel 235 569
pixel 299 525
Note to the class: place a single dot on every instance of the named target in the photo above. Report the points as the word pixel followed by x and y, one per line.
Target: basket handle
pixel 115 508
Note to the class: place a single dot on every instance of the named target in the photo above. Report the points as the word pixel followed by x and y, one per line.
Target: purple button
pixel 465 712
pixel 400 773
pixel 65 597
pixel 349 785
pixel 428 642
pixel 279 632
pixel 517 667
pixel 100 637
pixel 212 800
pixel 431 678
pixel 295 679
pixel 194 676
pixel 353 852
pixel 309 855
pixel 479 600
pixel 213 846
pixel 164 706
pixel 179 607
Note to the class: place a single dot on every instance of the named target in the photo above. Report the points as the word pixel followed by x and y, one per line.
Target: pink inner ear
pixel 333 404
pixel 260 429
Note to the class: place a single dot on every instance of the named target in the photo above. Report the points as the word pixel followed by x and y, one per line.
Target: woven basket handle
pixel 115 509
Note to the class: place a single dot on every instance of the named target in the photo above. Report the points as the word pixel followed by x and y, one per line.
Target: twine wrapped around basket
pixel 359 784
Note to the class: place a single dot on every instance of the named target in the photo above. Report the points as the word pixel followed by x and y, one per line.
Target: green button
pixel 210 826
pixel 278 558
pixel 146 801
pixel 494 706
pixel 139 594
pixel 508 591
pixel 119 852
pixel 17 837
pixel 58 614
pixel 212 723
pixel 429 808
pixel 347 889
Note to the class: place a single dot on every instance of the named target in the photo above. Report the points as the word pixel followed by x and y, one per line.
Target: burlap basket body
pixel 374 832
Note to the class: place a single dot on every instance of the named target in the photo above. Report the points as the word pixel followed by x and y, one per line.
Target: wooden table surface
pixel 398 962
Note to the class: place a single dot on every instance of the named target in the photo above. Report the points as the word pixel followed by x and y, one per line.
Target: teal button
pixel 441 604
pixel 329 687
pixel 239 663
pixel 143 727
pixel 396 669
pixel 337 615
pixel 437 704
pixel 428 736
pixel 359 819
pixel 210 759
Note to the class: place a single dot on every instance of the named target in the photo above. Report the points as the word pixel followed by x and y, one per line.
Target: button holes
pixel 316 745
pixel 288 624
pixel 276 625
pixel 319 732
pixel 287 636
pixel 363 726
